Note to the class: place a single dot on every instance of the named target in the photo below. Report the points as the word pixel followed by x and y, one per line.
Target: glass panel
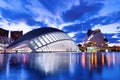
pixel 41 40
pixel 53 34
pixel 48 37
pixel 51 37
pixel 57 35
pixel 46 40
pixel 38 42
pixel 60 37
pixel 39 50
pixel 33 44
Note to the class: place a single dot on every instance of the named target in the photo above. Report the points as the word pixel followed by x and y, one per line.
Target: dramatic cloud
pixel 74 17
pixel 84 10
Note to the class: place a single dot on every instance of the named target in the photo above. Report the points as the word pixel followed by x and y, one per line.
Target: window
pixel 53 34
pixel 45 39
pixel 38 42
pixel 48 37
pixel 51 37
pixel 33 44
pixel 41 40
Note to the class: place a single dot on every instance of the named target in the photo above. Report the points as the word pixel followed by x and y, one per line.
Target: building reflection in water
pixel 95 60
pixel 1 60
pixel 51 63
pixel 57 64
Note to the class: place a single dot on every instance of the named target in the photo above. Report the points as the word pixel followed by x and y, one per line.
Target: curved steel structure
pixel 44 40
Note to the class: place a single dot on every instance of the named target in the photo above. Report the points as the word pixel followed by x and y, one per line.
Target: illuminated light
pixel 103 60
pixel 83 59
pixel 71 64
pixel 92 59
pixel 90 37
pixel 106 50
pixel 113 58
pixel 108 59
pixel 25 59
pixel 95 59
pixel 89 63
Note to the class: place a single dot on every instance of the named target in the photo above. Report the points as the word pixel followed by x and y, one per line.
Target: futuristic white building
pixel 43 40
pixel 95 38
pixel 95 41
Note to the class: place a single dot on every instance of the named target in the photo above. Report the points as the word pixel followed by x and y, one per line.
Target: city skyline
pixel 74 17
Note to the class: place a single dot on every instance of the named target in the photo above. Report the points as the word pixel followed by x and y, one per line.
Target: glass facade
pixel 55 41
pixel 44 40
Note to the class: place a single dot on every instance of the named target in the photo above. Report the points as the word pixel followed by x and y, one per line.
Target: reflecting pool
pixel 60 66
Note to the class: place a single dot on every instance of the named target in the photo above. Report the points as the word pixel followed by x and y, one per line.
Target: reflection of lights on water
pixel 103 60
pixel 113 58
pixel 108 59
pixel 71 63
pixel 94 59
pixel 8 66
pixel 50 63
pixel 47 62
pixel 83 59
pixel 25 59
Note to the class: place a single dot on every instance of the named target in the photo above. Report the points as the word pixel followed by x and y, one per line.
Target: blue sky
pixel 74 17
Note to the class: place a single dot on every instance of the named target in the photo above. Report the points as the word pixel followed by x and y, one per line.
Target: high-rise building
pixel 16 34
pixel 6 39
pixel 4 32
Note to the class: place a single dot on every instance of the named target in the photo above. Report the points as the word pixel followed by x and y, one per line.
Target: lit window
pixel 38 42
pixel 60 36
pixel 41 40
pixel 48 37
pixel 33 44
pixel 55 36
pixel 51 37
pixel 46 40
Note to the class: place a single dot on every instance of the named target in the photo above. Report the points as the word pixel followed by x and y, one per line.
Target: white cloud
pixel 110 7
pixel 13 5
pixel 65 24
pixel 109 29
pixel 114 44
pixel 72 34
pixel 115 36
pixel 16 27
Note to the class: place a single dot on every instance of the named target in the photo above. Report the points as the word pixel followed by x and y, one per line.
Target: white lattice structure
pixel 44 40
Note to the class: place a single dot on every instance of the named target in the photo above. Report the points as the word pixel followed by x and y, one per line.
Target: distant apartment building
pixel 6 40
pixel 16 34
pixel 4 32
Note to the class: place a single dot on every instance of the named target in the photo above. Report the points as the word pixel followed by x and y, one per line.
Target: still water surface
pixel 60 66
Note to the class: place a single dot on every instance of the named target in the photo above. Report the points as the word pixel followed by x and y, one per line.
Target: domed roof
pixel 34 33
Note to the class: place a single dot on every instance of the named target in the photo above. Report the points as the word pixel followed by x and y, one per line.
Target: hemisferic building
pixel 44 40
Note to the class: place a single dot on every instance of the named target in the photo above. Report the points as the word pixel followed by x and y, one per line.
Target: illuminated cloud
pixel 74 17
pixel 109 29
pixel 72 34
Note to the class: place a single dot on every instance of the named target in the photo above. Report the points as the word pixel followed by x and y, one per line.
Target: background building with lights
pixel 95 40
pixel 7 37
